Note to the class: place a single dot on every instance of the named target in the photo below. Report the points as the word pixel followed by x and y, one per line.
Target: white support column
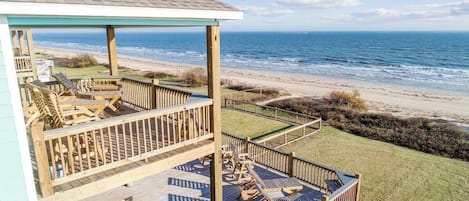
pixel 24 158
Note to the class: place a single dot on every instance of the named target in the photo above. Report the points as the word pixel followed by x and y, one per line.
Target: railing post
pixel 40 154
pixel 359 177
pixel 291 169
pixel 246 145
pixel 325 198
pixel 154 95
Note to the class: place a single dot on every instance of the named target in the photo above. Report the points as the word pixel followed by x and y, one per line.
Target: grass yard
pixel 247 125
pixel 389 172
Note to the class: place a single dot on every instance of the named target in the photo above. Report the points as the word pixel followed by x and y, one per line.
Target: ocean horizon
pixel 425 60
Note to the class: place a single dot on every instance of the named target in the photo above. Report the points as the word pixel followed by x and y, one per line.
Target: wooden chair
pixel 271 189
pixel 240 162
pixel 112 96
pixel 226 154
pixel 47 103
pixel 72 102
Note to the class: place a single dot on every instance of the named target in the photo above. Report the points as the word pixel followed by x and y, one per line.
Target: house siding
pixel 12 179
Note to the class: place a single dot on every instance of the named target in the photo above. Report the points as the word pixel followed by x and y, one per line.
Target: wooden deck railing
pixel 70 153
pixel 314 174
pixel 23 64
pixel 148 95
pixel 142 94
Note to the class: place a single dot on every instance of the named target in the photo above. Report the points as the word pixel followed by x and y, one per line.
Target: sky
pixel 350 15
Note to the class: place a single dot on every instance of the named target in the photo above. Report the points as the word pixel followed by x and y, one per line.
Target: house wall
pixel 16 178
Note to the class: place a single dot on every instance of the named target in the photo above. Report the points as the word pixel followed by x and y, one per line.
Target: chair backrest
pixel 256 177
pixel 60 77
pixel 51 101
pixel 235 150
pixel 38 100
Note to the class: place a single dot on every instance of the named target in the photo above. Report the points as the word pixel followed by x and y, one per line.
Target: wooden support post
pixel 14 40
pixel 112 50
pixel 214 70
pixel 359 177
pixel 29 36
pixel 22 44
pixel 40 153
pixel 246 145
pixel 290 164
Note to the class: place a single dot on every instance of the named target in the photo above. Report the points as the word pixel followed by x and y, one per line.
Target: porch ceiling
pixel 117 13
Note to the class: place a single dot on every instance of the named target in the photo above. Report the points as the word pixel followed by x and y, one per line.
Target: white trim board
pixel 10 69
pixel 74 10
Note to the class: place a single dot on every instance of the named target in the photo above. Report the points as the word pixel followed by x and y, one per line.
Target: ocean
pixel 423 60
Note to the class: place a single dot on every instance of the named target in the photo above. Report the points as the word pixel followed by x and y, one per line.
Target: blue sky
pixel 350 15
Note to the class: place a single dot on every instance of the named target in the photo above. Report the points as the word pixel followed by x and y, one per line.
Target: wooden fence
pixel 306 125
pixel 314 174
pixel 70 153
pixel 269 112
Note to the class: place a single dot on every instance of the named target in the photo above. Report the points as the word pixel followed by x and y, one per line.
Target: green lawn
pixel 389 172
pixel 245 125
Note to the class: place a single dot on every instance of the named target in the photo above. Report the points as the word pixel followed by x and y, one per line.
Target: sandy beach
pixel 407 102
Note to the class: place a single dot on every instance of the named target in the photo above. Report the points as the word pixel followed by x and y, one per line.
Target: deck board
pixel 190 182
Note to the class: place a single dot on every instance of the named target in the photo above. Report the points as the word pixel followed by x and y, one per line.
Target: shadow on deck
pixel 190 182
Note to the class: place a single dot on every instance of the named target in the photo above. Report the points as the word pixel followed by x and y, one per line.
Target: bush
pixel 195 77
pixel 80 61
pixel 427 135
pixel 352 101
pixel 157 75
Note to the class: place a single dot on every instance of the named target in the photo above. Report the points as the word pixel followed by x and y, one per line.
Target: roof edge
pixel 75 10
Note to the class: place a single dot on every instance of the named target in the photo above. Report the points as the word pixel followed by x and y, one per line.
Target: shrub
pixel 427 135
pixel 352 101
pixel 82 60
pixel 195 77
pixel 157 75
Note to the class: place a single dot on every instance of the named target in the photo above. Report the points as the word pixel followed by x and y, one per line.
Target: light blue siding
pixel 12 182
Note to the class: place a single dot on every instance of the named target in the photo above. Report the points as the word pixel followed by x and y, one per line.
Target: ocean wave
pixel 352 68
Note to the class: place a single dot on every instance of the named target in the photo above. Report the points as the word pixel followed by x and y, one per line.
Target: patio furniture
pixel 240 162
pixel 112 96
pixel 226 154
pixel 270 189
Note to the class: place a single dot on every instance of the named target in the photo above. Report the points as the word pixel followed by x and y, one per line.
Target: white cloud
pixel 427 11
pixel 265 12
pixel 319 3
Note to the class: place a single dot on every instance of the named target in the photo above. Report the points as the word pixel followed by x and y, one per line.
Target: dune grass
pixel 247 125
pixel 389 172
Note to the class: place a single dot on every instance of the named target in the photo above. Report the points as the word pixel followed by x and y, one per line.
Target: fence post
pixel 325 198
pixel 42 162
pixel 246 145
pixel 154 95
pixel 359 177
pixel 290 164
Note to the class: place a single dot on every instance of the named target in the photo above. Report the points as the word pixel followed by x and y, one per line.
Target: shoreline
pixel 399 101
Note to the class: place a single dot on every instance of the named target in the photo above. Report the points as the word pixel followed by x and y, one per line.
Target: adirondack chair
pixel 72 102
pixel 47 104
pixel 226 154
pixel 240 162
pixel 271 189
pixel 112 96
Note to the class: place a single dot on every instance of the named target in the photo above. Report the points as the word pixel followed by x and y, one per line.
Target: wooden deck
pixel 125 147
pixel 189 182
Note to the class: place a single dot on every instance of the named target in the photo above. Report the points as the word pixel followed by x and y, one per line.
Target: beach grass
pixel 246 125
pixel 389 172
